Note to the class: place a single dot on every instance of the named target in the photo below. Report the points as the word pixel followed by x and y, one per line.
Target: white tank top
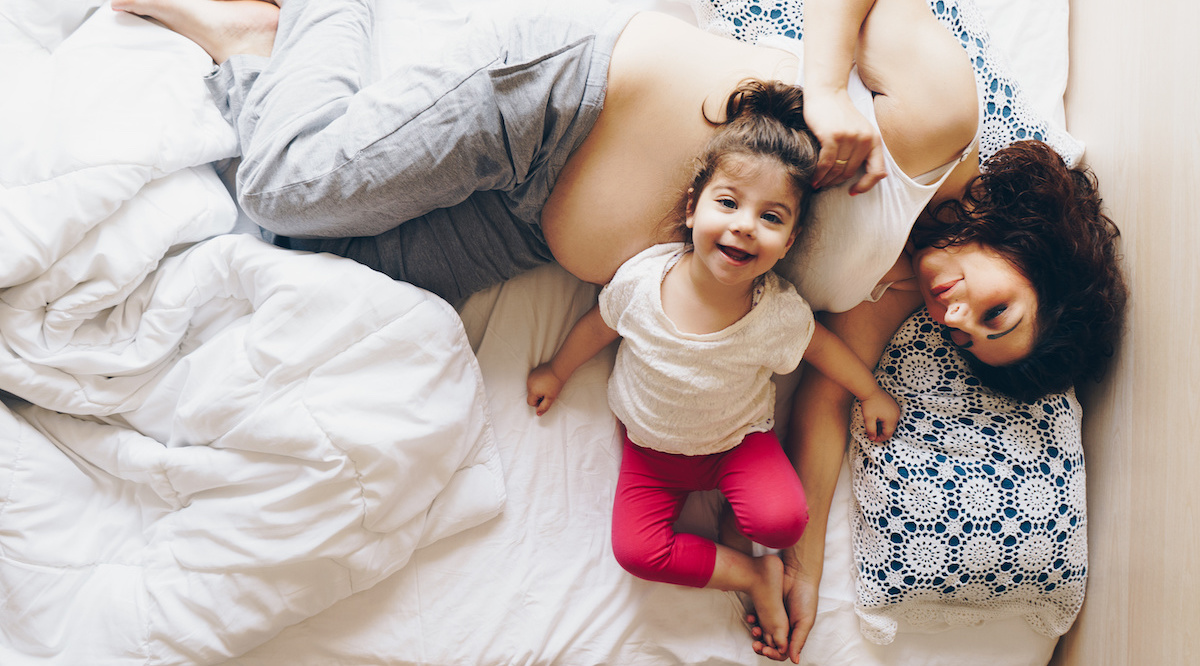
pixel 850 243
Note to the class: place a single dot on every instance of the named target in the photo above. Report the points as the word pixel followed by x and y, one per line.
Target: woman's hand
pixel 880 415
pixel 543 386
pixel 848 140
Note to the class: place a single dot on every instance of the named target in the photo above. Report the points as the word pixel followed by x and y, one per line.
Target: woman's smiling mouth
pixel 943 288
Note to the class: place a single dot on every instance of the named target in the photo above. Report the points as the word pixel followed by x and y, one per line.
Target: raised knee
pixel 641 558
pixel 781 529
pixel 287 211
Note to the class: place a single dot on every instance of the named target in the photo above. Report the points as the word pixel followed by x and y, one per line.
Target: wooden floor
pixel 1134 99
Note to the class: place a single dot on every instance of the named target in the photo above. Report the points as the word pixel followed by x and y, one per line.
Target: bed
pixel 213 450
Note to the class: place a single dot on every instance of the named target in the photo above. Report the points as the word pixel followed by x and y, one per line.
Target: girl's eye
pixel 772 218
pixel 994 313
pixel 728 203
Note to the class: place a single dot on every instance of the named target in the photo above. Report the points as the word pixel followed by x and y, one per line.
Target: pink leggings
pixel 756 478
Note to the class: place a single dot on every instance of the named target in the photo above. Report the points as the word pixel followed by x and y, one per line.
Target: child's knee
pixel 779 529
pixel 688 561
pixel 640 557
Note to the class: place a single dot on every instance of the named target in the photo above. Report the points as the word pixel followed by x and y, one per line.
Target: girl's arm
pixel 587 337
pixel 827 353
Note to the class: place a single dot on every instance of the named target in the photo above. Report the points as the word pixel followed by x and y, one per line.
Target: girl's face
pixel 744 220
pixel 989 306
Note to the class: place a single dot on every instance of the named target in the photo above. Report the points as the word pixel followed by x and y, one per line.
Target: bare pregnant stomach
pixel 616 194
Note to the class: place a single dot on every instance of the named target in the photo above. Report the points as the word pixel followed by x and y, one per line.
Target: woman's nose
pixel 956 314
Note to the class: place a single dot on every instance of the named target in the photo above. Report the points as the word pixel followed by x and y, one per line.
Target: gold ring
pixel 841 162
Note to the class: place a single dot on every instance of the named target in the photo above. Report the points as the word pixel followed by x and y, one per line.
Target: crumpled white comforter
pixel 205 439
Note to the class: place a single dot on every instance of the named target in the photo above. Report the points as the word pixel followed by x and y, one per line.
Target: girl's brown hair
pixel 762 119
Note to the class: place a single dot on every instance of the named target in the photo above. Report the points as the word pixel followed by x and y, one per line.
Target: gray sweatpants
pixel 436 174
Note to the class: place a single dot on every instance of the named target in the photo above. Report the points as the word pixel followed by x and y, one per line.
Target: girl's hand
pixel 847 140
pixel 880 415
pixel 543 386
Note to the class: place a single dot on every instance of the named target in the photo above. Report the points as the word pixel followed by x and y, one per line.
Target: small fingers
pixel 755 630
pixel 886 430
pixel 870 426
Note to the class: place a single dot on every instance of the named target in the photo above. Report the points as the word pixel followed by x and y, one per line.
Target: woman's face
pixel 989 306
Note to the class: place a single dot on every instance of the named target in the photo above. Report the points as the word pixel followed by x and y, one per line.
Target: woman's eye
pixel 994 313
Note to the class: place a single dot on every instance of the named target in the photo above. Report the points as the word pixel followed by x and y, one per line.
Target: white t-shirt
pixel 849 243
pixel 697 394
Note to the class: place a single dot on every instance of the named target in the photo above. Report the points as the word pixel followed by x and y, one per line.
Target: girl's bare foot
pixel 767 597
pixel 221 27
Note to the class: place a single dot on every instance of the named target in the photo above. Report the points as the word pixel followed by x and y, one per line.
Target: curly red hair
pixel 1048 221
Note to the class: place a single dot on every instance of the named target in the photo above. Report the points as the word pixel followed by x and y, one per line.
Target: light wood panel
pixel 1134 99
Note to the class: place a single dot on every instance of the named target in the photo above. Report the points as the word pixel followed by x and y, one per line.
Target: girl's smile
pixel 735 255
pixel 744 220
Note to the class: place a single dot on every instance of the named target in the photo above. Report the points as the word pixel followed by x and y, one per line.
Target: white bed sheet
pixel 538 585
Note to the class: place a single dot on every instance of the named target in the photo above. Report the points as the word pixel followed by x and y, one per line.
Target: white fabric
pixel 559 597
pixel 850 242
pixel 539 585
pixel 201 441
pixel 536 585
pixel 836 638
pixel 697 394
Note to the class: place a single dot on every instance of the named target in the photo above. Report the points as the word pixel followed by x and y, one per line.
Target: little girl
pixel 704 324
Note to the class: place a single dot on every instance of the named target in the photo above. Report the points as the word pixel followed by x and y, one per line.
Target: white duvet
pixel 202 441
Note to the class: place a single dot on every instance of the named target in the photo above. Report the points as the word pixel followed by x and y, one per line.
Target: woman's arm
pixel 587 337
pixel 847 139
pixel 816 443
pixel 926 102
